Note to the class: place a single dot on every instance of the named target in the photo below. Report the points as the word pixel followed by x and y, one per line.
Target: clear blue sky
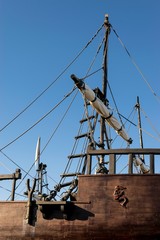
pixel 38 39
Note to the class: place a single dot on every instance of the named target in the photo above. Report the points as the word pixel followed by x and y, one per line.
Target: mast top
pixel 106 20
pixel 106 17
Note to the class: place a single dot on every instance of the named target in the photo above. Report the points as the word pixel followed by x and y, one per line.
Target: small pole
pixel 139 125
pixel 16 175
pixel 139 122
pixel 13 189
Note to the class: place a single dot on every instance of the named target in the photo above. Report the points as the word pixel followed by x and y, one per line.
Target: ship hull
pixel 95 215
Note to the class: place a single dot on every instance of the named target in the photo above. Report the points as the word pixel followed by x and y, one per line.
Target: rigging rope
pixel 10 191
pixel 2 164
pixel 63 71
pixel 90 129
pixel 50 137
pixel 89 123
pixel 20 193
pixel 149 134
pixel 59 123
pixel 115 104
pixel 72 152
pixel 123 168
pixel 137 67
pixel 127 120
pixel 86 142
pixel 86 76
pixel 89 75
pixel 27 173
pixel 93 61
pixel 13 162
pixel 145 115
pixel 43 117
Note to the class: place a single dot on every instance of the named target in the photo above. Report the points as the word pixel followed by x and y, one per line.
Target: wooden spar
pixel 103 132
pixel 139 125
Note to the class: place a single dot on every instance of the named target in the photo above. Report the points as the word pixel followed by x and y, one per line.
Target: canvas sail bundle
pixel 100 107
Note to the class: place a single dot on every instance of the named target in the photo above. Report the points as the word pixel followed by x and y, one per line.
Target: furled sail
pixel 99 106
pixel 139 162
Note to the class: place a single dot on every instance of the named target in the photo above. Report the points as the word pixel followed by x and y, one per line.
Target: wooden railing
pixel 112 153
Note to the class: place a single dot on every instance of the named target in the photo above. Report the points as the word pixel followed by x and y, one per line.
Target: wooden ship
pixel 100 205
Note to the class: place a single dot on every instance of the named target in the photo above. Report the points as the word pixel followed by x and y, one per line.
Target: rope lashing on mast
pixel 99 106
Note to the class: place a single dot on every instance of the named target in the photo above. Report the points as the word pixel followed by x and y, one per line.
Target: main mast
pixel 97 99
pixel 103 132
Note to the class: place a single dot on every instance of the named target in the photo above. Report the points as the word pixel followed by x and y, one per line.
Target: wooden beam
pixel 126 151
pixel 16 175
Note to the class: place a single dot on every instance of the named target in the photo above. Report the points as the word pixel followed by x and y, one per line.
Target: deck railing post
pixel 112 164
pixel 152 167
pixel 89 161
pixel 130 163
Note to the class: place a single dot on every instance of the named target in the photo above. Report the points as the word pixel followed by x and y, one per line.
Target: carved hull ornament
pixel 119 195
